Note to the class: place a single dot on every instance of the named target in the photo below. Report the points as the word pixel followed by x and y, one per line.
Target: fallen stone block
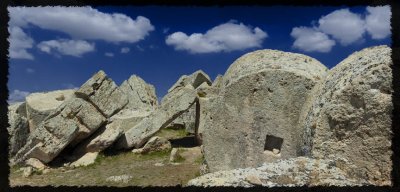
pixel 257 109
pixel 350 115
pixel 292 172
pixel 138 135
pixel 154 144
pixel 141 95
pixel 85 160
pixel 69 124
pixel 19 129
pixel 103 93
pixel 40 105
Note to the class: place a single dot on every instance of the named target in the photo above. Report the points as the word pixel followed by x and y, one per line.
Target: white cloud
pixel 125 50
pixel 343 25
pixel 108 54
pixel 17 96
pixel 30 70
pixel 309 39
pixel 83 23
pixel 19 43
pixel 225 37
pixel 74 48
pixel 378 22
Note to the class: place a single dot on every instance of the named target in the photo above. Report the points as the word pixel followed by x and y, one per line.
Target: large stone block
pixel 176 105
pixel 195 79
pixel 293 172
pixel 350 114
pixel 19 129
pixel 103 93
pixel 141 95
pixel 126 118
pixel 69 124
pixel 254 118
pixel 40 105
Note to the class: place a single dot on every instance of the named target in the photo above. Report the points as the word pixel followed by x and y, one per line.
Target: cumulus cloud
pixel 19 43
pixel 83 23
pixel 378 22
pixel 17 96
pixel 343 25
pixel 225 37
pixel 108 54
pixel 309 39
pixel 125 50
pixel 74 48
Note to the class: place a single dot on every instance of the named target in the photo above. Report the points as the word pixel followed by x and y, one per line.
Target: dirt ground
pixel 153 169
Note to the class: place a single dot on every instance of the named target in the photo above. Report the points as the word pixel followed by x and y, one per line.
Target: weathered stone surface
pixel 218 81
pixel 205 90
pixel 187 120
pixel 35 163
pixel 141 95
pixel 195 80
pixel 154 144
pixel 28 171
pixel 126 118
pixel 19 129
pixel 69 124
pixel 205 119
pixel 350 115
pixel 40 105
pixel 174 155
pixel 84 114
pixel 206 94
pixel 104 137
pixel 177 104
pixel 258 109
pixel 103 93
pixel 254 180
pixel 293 172
pixel 85 160
pixel 119 178
pixel 42 144
pixel 256 61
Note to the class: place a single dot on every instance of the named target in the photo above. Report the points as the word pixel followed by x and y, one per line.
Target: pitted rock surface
pixel 40 105
pixel 257 110
pixel 350 114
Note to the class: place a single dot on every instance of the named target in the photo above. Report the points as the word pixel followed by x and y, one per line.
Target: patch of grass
pixel 199 160
pixel 197 174
pixel 171 133
pixel 38 172
pixel 15 168
pixel 155 154
pixel 179 157
pixel 100 158
pixel 141 167
pixel 201 94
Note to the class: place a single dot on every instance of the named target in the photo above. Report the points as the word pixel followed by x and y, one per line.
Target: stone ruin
pixel 273 119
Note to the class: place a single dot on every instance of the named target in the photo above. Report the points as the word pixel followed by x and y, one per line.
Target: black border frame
pixel 4 44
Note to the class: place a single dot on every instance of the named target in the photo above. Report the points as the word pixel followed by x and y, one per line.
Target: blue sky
pixel 55 48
